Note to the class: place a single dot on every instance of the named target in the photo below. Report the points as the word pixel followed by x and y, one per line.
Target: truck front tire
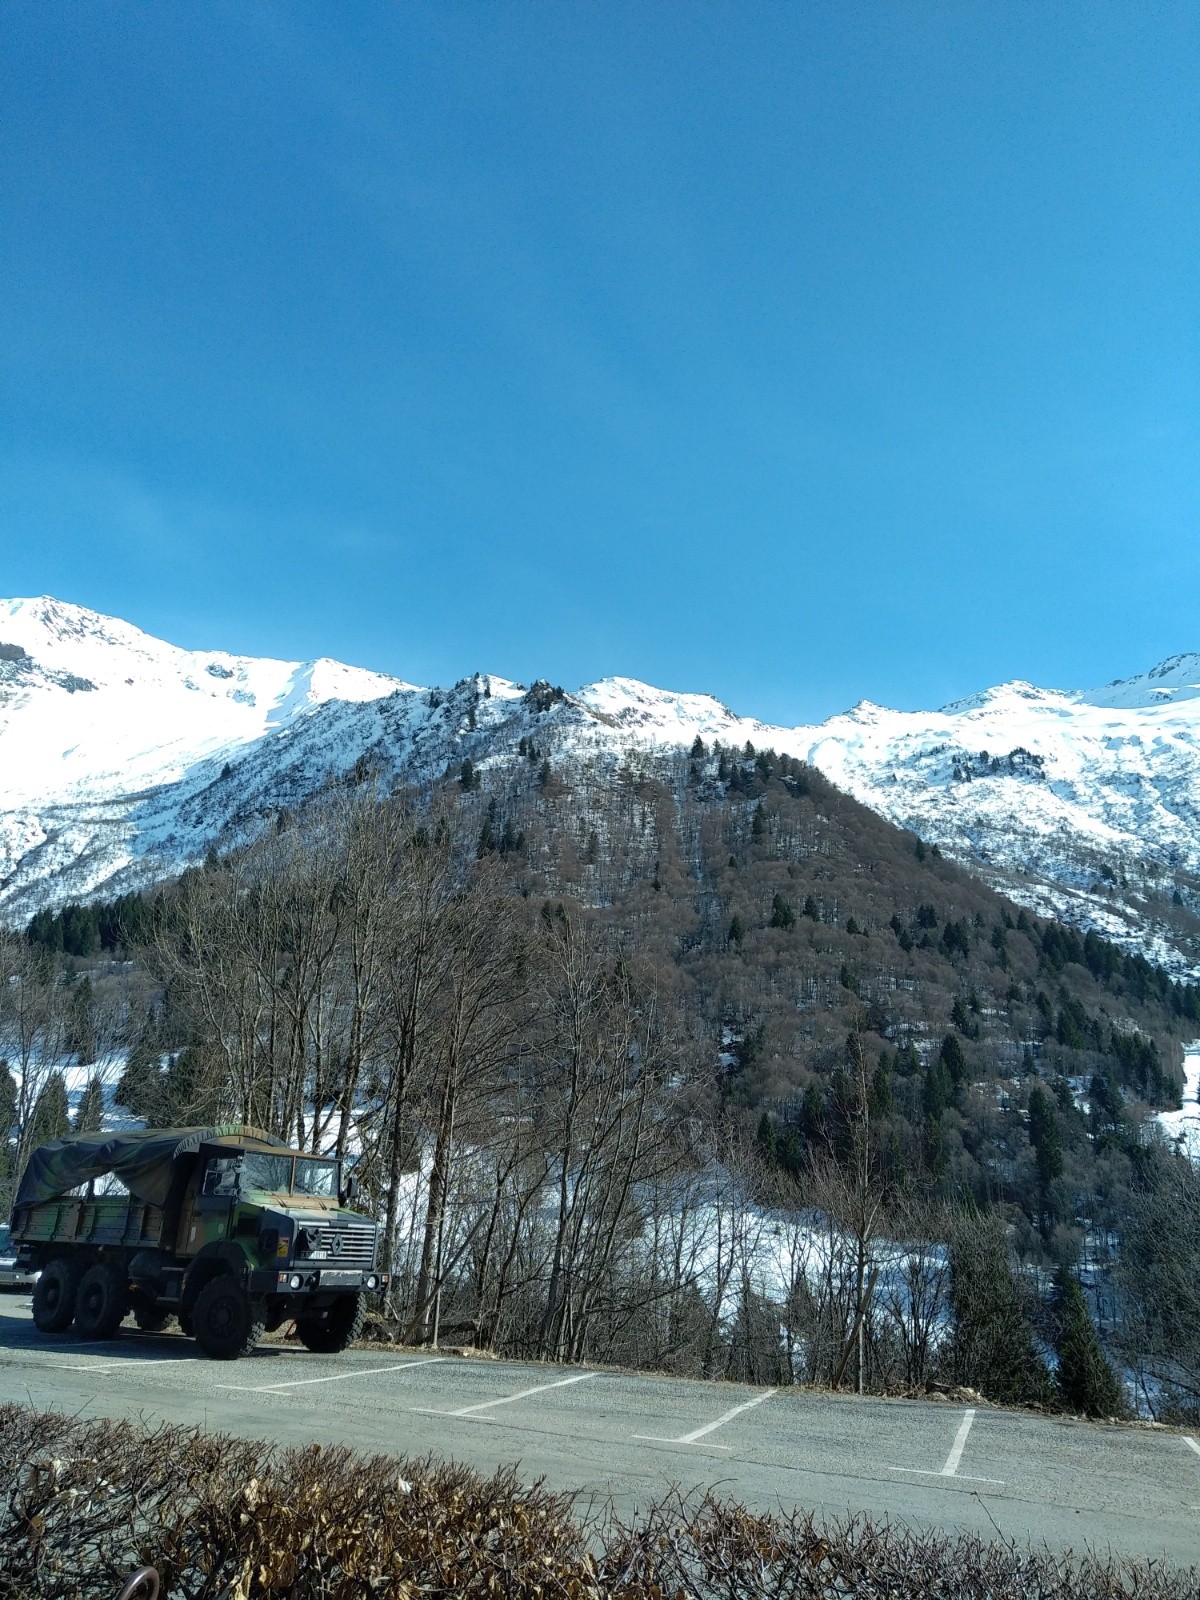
pixel 54 1296
pixel 339 1327
pixel 226 1322
pixel 102 1301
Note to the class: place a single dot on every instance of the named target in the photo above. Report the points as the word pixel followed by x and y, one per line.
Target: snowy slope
pixel 123 757
pixel 1087 802
pixel 96 717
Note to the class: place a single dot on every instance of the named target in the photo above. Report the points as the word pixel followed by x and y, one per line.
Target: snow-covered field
pixel 1182 1128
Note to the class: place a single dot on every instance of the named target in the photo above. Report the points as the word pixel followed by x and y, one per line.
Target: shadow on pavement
pixel 17 1332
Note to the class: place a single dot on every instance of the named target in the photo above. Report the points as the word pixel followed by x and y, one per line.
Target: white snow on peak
pixel 658 715
pixel 91 705
pixel 1173 680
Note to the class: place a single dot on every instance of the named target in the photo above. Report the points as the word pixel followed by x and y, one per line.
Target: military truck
pixel 225 1228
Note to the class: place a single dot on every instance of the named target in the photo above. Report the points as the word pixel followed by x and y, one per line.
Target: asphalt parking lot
pixel 626 1438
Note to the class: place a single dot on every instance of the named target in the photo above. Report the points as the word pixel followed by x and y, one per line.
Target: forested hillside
pixel 602 1040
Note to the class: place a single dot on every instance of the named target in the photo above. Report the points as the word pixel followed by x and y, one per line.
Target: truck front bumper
pixel 320 1280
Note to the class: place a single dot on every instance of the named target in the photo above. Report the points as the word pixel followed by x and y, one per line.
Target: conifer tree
pixel 51 1113
pixel 1047 1149
pixel 90 1116
pixel 992 1346
pixel 782 915
pixel 1085 1380
pixel 954 1060
pixel 8 1129
pixel 765 1138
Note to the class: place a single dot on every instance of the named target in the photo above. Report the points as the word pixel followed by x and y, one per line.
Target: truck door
pixel 207 1204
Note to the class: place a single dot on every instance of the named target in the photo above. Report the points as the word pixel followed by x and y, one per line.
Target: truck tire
pixel 54 1296
pixel 227 1323
pixel 340 1326
pixel 102 1301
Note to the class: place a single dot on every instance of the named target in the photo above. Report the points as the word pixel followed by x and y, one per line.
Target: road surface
pixel 630 1437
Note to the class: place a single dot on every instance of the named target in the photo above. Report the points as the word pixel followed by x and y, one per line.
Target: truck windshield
pixel 273 1173
pixel 315 1177
pixel 281 1174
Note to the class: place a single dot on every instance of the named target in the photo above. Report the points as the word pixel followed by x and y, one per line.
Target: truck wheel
pixel 226 1321
pixel 340 1325
pixel 54 1296
pixel 101 1302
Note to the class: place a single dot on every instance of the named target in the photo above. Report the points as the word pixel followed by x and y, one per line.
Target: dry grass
pixel 84 1503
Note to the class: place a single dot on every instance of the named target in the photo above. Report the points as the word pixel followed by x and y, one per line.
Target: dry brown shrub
pixel 85 1503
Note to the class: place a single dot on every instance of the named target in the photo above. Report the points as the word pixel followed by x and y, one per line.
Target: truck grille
pixel 342 1244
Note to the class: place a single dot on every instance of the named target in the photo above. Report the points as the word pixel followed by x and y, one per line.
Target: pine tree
pixel 8 1128
pixel 51 1113
pixel 90 1116
pixel 954 1061
pixel 782 915
pixel 811 909
pixel 737 930
pixel 765 1138
pixel 1047 1148
pixel 992 1346
pixel 1086 1381
pixel 81 1023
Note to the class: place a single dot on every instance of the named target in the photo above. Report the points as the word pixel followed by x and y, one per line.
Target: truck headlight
pixel 295 1281
pixel 372 1281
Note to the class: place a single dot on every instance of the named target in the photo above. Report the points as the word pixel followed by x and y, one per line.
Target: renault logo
pixel 335 1244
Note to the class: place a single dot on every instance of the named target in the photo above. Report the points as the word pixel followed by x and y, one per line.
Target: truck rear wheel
pixel 227 1323
pixel 54 1296
pixel 339 1327
pixel 101 1302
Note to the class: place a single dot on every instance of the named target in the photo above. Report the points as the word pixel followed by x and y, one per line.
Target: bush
pixel 82 1504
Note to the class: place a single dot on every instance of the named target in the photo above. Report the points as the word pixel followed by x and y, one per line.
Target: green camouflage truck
pixel 224 1228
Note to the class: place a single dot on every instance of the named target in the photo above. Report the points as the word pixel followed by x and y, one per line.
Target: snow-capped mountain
pixel 1083 802
pixel 123 757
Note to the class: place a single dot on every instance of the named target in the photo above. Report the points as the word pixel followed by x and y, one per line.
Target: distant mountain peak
pixel 1175 679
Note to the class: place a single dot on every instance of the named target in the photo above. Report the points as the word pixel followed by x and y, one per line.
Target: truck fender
pixel 221 1256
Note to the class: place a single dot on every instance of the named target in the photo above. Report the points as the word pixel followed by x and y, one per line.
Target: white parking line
pixel 710 1427
pixel 1188 1440
pixel 119 1366
pixel 334 1377
pixel 959 1445
pixel 950 1470
pixel 508 1399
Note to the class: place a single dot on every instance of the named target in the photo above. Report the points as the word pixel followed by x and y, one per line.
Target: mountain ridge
pixel 125 757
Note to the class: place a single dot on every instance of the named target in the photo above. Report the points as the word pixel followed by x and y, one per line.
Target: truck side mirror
pixel 349 1189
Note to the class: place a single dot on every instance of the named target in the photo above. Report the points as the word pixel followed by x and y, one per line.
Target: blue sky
pixel 793 352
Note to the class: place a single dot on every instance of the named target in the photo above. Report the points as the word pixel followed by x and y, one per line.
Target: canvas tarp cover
pixel 141 1159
